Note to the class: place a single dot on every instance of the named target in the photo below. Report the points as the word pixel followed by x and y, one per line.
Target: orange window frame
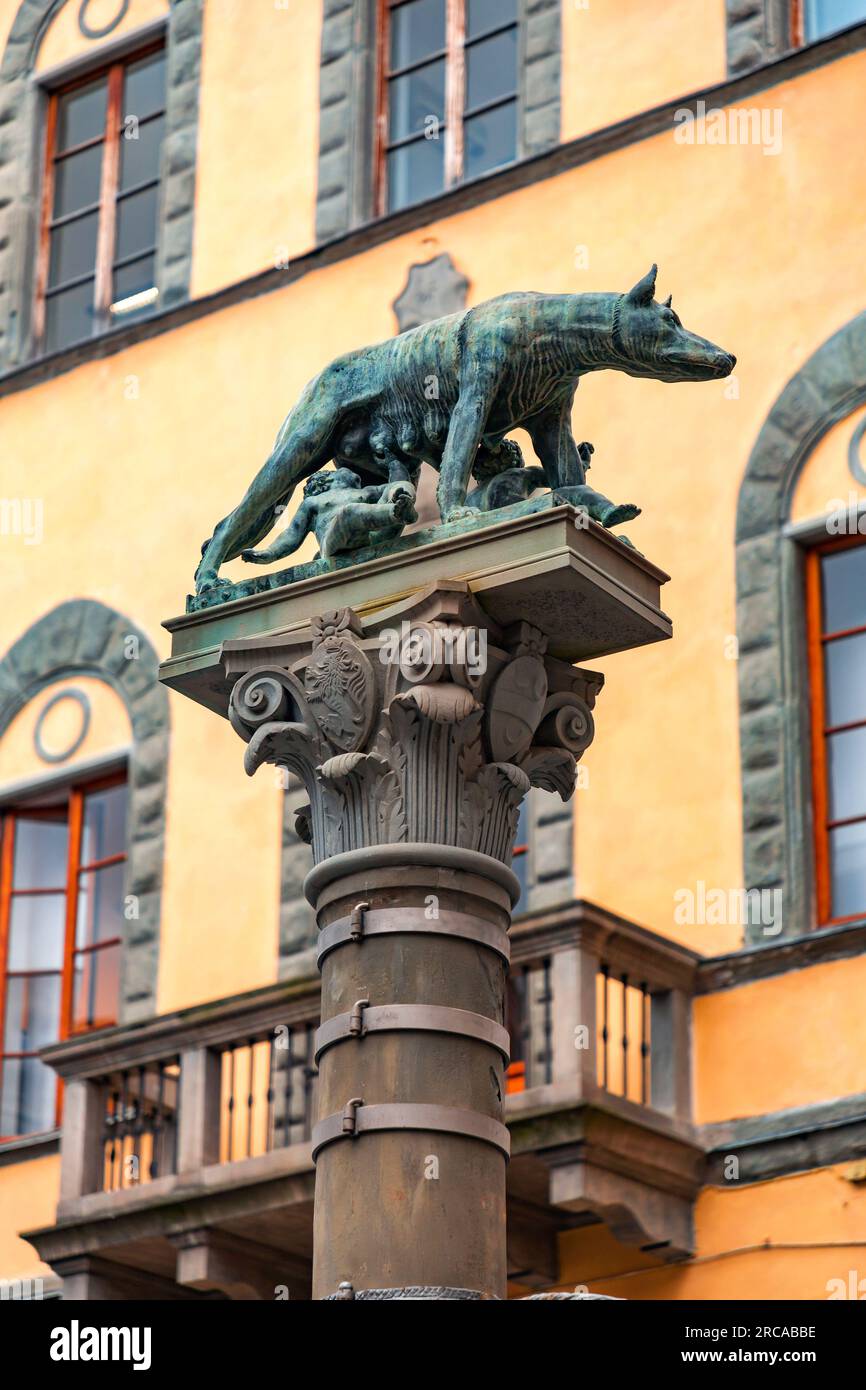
pixel 454 54
pixel 74 869
pixel 817 639
pixel 108 193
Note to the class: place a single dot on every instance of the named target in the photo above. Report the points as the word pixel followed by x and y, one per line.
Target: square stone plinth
pixel 588 591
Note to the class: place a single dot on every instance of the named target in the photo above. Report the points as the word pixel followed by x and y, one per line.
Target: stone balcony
pixel 185 1153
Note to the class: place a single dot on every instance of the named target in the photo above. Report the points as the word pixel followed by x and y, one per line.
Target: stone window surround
pixel 775 729
pixel 83 637
pixel 760 30
pixel 347 105
pixel 23 95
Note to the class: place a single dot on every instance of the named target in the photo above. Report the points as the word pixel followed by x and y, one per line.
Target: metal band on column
pixel 385 921
pixel 357 1119
pixel 420 1018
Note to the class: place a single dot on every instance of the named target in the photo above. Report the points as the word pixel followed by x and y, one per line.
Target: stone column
pixel 416 736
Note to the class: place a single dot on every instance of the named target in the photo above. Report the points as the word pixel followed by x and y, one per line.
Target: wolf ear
pixel 642 293
pixel 669 301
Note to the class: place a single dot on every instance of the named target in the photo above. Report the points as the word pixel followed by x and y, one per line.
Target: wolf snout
pixel 724 362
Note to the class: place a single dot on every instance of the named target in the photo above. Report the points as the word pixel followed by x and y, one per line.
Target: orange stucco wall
pixel 64 40
pixel 28 1196
pixel 616 63
pixel 784 1239
pixel 788 1041
pixel 258 133
pixel 826 485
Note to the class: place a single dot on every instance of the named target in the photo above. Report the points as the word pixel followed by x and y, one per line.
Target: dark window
pixel 97 257
pixel 837 643
pixel 820 17
pixel 448 107
pixel 61 911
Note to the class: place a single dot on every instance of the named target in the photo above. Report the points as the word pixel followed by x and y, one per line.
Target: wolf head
pixel 649 340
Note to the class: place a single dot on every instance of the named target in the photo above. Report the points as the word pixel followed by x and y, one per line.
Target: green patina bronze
pixel 448 394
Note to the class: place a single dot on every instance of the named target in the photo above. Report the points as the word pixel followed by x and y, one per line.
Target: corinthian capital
pixel 424 723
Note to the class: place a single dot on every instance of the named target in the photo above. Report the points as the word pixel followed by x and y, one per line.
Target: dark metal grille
pixel 530 1025
pixel 267 1092
pixel 140 1124
pixel 624 1036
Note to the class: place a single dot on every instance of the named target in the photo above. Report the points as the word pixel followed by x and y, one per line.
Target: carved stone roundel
pixel 341 692
pixel 515 707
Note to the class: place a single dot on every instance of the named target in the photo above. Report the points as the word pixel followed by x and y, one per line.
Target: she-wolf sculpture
pixel 449 392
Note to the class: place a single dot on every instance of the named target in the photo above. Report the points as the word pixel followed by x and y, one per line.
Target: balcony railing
pixel 187 1137
pixel 600 1006
pixel 597 1008
pixel 150 1104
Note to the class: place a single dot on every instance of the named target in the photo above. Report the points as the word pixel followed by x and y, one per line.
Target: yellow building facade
pixel 287 212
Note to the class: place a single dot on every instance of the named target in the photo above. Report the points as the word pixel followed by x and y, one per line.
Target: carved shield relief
pixel 514 707
pixel 341 691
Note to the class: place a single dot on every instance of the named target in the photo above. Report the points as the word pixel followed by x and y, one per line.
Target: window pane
pixel 415 172
pixel 846 755
pixel 32 1012
pixel 491 69
pixel 490 140
pixel 482 15
pixel 69 317
pixel 139 153
pixel 40 852
pixel 825 16
pixel 100 905
pixel 73 249
pixel 136 223
pixel 28 1098
pixel 130 280
pixel 417 29
pixel 103 831
pixel 77 180
pixel 848 869
pixel 846 679
pixel 96 989
pixel 844 580
pixel 36 931
pixel 81 114
pixel 415 98
pixel 144 87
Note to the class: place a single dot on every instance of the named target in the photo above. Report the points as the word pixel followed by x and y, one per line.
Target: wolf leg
pixel 554 444
pixel 464 436
pixel 296 455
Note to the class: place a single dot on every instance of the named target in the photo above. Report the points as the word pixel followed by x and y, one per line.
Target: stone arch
pixel 84 637
pixel 774 725
pixel 21 110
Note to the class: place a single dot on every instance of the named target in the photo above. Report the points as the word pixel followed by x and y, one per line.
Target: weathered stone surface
pixel 432 290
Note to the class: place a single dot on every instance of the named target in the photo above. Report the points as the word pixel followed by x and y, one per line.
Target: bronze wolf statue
pixel 449 392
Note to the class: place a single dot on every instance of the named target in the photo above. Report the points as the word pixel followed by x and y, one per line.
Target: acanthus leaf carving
pixel 552 769
pixel 389 755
